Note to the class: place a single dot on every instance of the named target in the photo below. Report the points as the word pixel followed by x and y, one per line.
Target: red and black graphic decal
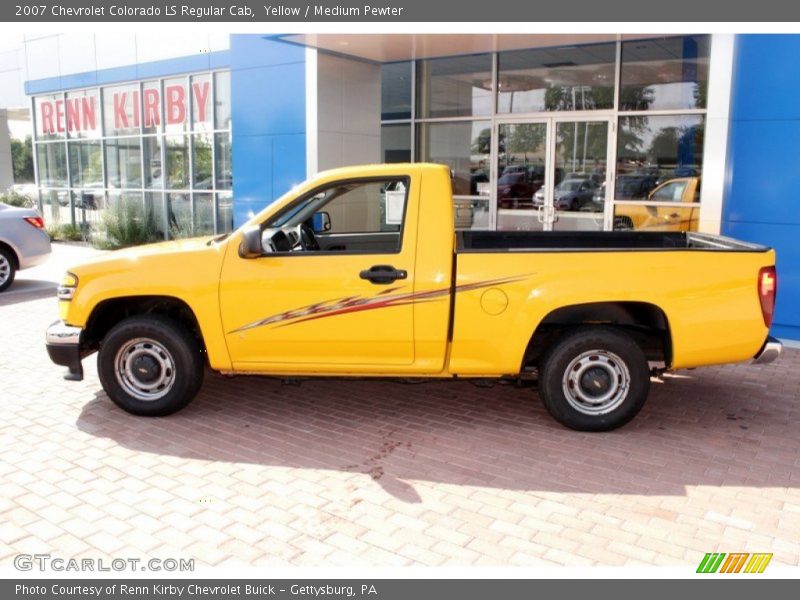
pixel 350 304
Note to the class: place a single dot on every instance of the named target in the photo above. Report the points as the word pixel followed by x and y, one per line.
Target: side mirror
pixel 251 243
pixel 321 222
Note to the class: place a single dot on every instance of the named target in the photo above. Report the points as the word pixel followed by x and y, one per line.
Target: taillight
pixel 767 289
pixel 37 222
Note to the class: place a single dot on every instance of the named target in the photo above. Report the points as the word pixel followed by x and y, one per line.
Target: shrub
pixel 14 198
pixel 73 233
pixel 126 224
pixel 66 232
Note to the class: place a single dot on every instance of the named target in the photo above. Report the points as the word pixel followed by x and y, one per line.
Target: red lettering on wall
pixel 121 111
pixel 137 109
pixel 175 105
pixel 88 113
pixel 59 116
pixel 73 114
pixel 201 91
pixel 151 116
pixel 47 118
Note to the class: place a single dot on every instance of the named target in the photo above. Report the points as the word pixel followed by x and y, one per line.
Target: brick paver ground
pixel 357 472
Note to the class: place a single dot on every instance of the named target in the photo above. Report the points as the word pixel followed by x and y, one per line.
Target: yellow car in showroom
pixel 661 217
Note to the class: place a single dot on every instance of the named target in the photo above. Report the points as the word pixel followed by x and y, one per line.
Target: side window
pixel 672 192
pixel 346 216
pixel 370 207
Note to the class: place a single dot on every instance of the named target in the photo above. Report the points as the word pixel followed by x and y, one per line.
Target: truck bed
pixel 601 241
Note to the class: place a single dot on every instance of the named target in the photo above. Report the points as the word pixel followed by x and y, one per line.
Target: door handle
pixel 383 274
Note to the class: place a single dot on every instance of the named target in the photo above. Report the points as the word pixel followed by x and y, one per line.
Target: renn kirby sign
pixel 128 110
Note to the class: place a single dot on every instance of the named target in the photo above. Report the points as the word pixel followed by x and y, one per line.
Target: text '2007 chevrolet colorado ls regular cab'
pixel 359 272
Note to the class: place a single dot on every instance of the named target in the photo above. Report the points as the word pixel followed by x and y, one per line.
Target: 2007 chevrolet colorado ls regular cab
pixel 359 272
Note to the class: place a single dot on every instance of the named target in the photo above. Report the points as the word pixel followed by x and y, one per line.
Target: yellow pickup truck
pixel 359 272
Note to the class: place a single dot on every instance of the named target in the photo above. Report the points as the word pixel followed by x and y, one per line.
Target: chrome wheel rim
pixel 5 269
pixel 596 382
pixel 145 369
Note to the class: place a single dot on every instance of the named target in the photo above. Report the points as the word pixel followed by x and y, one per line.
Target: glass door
pixel 580 196
pixel 522 152
pixel 552 174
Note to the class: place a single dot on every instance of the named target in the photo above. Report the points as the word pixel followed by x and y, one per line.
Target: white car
pixel 23 242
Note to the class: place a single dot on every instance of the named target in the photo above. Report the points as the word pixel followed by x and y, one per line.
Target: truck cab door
pixel 331 300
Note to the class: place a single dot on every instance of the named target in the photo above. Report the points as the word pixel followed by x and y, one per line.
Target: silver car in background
pixel 23 242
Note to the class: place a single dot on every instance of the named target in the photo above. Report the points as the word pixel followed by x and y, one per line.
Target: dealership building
pixel 554 132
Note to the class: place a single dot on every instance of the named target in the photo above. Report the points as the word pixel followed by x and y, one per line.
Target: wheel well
pixel 110 312
pixel 10 250
pixel 645 322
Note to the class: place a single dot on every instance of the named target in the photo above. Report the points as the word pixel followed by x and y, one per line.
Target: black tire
pixel 581 363
pixel 7 261
pixel 169 345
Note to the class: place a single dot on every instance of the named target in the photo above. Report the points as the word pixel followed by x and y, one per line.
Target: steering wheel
pixel 306 240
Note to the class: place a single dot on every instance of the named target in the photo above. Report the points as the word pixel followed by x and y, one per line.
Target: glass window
pixel 396 143
pixel 224 212
pixel 521 163
pixel 549 79
pixel 353 208
pixel 51 161
pixel 82 114
pixel 222 99
pixel 151 107
pixel 56 208
pixel 154 208
pixel 85 164
pixel 200 92
pixel 396 91
pixel 153 173
pixel 201 161
pixel 89 206
pixel 121 109
pixel 465 147
pixel 455 87
pixel 665 73
pixel 177 157
pixel 179 212
pixel 654 150
pixel 176 105
pixel 222 156
pixel 203 218
pixel 50 117
pixel 124 162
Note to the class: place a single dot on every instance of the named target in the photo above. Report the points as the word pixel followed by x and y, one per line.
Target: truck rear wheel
pixel 594 379
pixel 149 365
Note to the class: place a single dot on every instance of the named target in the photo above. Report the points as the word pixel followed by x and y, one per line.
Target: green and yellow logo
pixel 736 562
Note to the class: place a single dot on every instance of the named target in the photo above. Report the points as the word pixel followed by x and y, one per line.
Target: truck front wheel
pixel 149 365
pixel 594 379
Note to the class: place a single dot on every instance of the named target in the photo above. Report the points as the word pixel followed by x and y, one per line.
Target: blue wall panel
pixel 145 70
pixel 762 203
pixel 269 121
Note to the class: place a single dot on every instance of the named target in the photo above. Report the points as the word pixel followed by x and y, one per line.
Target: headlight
pixel 66 290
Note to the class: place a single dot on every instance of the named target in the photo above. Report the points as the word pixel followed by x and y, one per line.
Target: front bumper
pixel 770 351
pixel 63 344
